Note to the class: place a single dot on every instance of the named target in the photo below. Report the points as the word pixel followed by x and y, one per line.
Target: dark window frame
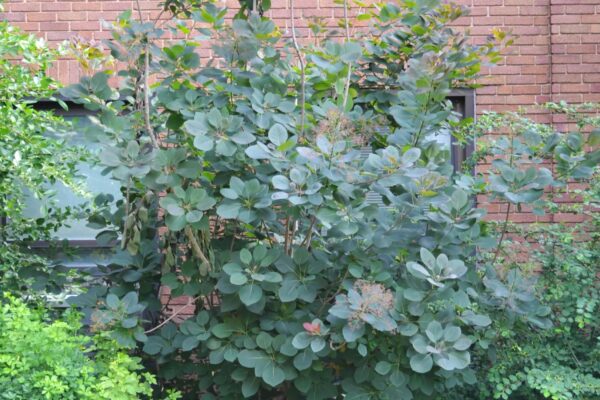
pixel 464 101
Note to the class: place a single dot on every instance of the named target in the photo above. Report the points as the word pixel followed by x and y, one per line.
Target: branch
pixel 139 9
pixel 287 233
pixel 327 298
pixel 127 211
pixel 506 217
pixel 147 97
pixel 504 227
pixel 302 71
pixel 176 313
pixel 196 249
pixel 308 236
pixel 349 75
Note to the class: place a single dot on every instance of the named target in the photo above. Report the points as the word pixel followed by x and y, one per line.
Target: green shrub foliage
pixel 32 157
pixel 561 362
pixel 246 182
pixel 52 360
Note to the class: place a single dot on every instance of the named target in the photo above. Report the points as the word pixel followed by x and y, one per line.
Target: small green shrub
pixel 52 360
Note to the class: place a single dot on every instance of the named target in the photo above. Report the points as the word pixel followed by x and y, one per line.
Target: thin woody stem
pixel 176 313
pixel 349 75
pixel 149 128
pixel 302 70
pixel 196 249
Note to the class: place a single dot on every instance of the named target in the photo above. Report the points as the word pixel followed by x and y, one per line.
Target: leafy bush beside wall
pixel 246 180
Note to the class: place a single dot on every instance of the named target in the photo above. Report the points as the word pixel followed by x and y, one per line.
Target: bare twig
pixel 158 16
pixel 349 75
pixel 176 313
pixel 139 10
pixel 302 71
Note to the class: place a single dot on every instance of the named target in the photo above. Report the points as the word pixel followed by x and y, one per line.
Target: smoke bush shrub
pixel 253 167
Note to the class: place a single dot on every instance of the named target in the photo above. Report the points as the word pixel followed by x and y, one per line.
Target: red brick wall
pixel 556 55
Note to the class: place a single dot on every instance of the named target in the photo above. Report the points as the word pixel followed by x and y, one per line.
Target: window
pixel 83 250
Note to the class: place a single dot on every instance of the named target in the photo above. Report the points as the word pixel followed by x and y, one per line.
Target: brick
pixel 535 10
pixel 572 88
pixel 72 16
pixel 520 60
pixel 503 11
pixel 581 49
pixel 84 26
pixel 521 99
pixel 488 2
pixel 591 78
pixel 581 9
pixel 526 89
pixel 494 79
pixel 557 39
pixel 54 26
pixel 116 6
pixel 93 6
pixel 23 7
pixel 533 69
pixel 485 100
pixel 575 29
pixel 592 38
pixel 518 79
pixel 103 16
pixel 591 98
pixel 533 50
pixel 590 19
pixel 520 21
pixel 566 78
pixel 41 16
pixel 62 6
pixel 506 70
pixel 489 21
pixel 60 35
pixel 15 17
pixel 591 59
pixel 518 3
pixel 530 30
pixel 569 98
pixel 542 60
pixel 566 19
pixel 566 59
